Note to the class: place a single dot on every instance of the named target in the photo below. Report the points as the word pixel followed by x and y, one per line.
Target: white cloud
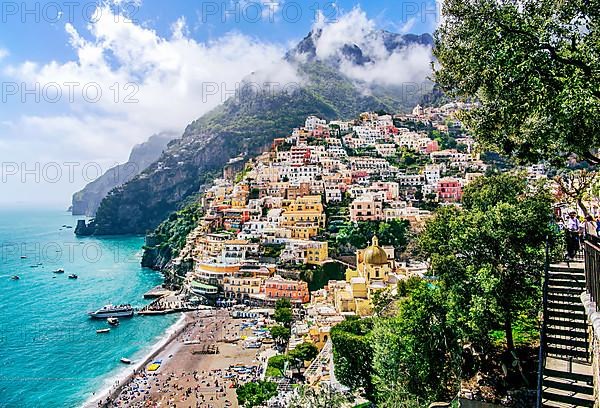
pixel 407 65
pixel 3 53
pixel 169 78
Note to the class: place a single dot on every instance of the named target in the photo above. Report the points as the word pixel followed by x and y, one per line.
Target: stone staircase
pixel 567 381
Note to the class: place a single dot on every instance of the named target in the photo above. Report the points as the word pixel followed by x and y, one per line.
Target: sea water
pixel 50 353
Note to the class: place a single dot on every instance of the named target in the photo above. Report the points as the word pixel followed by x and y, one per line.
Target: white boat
pixel 15 277
pixel 113 321
pixel 100 331
pixel 73 276
pixel 126 360
pixel 112 311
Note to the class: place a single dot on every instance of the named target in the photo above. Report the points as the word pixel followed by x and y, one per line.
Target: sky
pixel 82 82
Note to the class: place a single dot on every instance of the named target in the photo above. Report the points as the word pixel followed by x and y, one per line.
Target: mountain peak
pixel 362 53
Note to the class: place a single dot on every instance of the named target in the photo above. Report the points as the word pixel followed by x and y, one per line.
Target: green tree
pixel 359 235
pixel 353 354
pixel 490 255
pixel 304 352
pixel 280 334
pixel 276 365
pixel 283 303
pixel 253 394
pixel 416 353
pixel 322 397
pixel 539 83
pixel 284 316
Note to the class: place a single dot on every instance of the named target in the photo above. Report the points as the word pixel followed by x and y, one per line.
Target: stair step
pixel 580 325
pixel 567 342
pixel 566 306
pixel 565 298
pixel 557 273
pixel 584 378
pixel 579 334
pixel 571 268
pixel 565 290
pixel 558 351
pixel 576 316
pixel 569 386
pixel 552 284
pixel 566 399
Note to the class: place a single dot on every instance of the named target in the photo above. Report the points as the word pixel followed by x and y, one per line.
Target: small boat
pixel 15 277
pixel 126 360
pixel 73 276
pixel 100 331
pixel 59 271
pixel 23 257
pixel 33 266
pixel 113 321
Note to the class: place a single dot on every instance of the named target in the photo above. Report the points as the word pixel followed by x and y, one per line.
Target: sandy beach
pixel 187 377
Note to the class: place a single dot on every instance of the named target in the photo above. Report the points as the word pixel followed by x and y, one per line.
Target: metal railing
pixel 592 268
pixel 543 329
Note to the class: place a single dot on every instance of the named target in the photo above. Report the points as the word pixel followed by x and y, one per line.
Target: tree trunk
pixel 509 334
pixel 582 207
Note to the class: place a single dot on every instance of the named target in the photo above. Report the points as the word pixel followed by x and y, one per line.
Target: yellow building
pixel 304 212
pixel 317 253
pixel 373 268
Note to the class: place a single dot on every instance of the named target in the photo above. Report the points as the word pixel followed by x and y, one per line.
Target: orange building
pixel 277 288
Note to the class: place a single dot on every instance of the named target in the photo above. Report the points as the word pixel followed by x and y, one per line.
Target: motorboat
pixel 113 321
pixel 126 360
pixel 15 277
pixel 59 271
pixel 73 276
pixel 100 331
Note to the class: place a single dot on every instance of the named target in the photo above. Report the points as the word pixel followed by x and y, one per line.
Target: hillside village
pixel 283 205
pixel 272 223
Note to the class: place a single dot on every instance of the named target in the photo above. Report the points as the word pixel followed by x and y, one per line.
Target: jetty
pixel 157 292
pixel 170 303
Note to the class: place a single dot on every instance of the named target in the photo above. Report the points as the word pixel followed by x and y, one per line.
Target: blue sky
pixel 150 63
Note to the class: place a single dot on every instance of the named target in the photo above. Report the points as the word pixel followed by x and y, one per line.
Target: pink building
pixel 366 208
pixel 449 190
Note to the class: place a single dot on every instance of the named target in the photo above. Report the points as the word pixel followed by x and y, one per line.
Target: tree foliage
pixel 534 67
pixel 253 394
pixel 323 396
pixel 280 334
pixel 353 354
pixel 359 235
pixel 490 255
pixel 416 353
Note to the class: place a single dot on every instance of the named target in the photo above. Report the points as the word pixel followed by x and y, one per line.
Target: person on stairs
pixel 572 230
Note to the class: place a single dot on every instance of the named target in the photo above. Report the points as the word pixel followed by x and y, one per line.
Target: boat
pixel 112 311
pixel 113 321
pixel 126 360
pixel 100 331
pixel 23 257
pixel 59 271
pixel 15 277
pixel 73 276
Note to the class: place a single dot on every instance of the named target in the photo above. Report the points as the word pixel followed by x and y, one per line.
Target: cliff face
pixel 245 124
pixel 87 201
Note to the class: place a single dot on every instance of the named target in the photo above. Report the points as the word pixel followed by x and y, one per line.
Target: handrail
pixel 542 350
pixel 592 268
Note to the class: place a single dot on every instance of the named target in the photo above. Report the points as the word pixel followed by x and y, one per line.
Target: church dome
pixel 375 255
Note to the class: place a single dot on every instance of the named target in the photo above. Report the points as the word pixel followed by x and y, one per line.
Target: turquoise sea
pixel 50 353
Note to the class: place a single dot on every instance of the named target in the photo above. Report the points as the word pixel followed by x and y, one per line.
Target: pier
pixel 157 292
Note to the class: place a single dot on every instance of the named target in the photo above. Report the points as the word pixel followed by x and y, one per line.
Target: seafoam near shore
pixel 114 383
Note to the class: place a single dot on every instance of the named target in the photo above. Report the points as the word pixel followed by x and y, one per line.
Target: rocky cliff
pixel 87 201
